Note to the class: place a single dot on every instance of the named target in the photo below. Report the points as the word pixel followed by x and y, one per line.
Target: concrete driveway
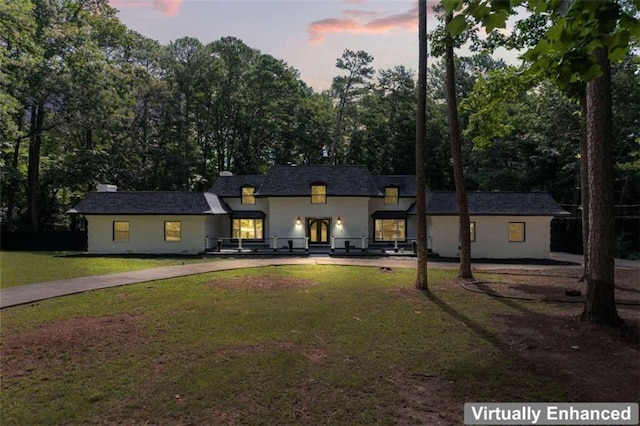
pixel 30 293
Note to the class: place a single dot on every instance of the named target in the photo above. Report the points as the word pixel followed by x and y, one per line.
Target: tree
pixel 600 304
pixel 456 155
pixel 386 125
pixel 346 90
pixel 584 38
pixel 421 204
pixel 18 53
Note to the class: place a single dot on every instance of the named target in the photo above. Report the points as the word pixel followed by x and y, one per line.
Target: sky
pixel 309 35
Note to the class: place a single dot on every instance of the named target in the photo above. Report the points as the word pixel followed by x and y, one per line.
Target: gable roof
pixel 229 186
pixel 355 181
pixel 151 203
pixel 406 184
pixel 496 204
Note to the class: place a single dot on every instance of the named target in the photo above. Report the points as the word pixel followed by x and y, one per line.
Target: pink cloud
pixel 318 29
pixel 166 7
pixel 367 22
pixel 407 20
pixel 362 22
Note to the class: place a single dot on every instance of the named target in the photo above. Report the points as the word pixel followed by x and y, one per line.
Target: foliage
pixel 84 100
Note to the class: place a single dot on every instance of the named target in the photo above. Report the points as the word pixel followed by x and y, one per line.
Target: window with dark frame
pixel 248 229
pixel 248 196
pixel 389 229
pixel 121 230
pixel 391 195
pixel 517 232
pixel 318 194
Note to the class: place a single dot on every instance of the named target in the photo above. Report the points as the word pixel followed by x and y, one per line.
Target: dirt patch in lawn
pixel 311 353
pixel 557 285
pixel 69 340
pixel 597 363
pixel 261 283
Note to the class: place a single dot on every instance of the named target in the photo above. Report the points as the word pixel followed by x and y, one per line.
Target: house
pixel 323 208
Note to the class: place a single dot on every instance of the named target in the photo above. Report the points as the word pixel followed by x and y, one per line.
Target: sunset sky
pixel 307 34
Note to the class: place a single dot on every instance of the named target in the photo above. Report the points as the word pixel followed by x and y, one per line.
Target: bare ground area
pixel 597 363
pixel 50 346
pixel 261 283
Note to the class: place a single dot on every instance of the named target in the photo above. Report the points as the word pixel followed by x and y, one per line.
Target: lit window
pixel 120 231
pixel 318 194
pixel 472 231
pixel 248 229
pixel 390 229
pixel 391 195
pixel 172 231
pixel 248 195
pixel 516 231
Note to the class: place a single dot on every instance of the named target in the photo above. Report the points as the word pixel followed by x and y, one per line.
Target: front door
pixel 318 230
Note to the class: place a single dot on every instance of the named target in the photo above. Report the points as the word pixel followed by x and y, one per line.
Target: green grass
pixel 19 268
pixel 359 346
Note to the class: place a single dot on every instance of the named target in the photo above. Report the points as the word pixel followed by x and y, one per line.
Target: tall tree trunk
pixel 337 130
pixel 12 187
pixel 33 172
pixel 600 304
pixel 421 118
pixel 584 182
pixel 456 155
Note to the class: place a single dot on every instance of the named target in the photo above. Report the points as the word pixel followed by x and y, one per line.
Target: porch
pixel 301 246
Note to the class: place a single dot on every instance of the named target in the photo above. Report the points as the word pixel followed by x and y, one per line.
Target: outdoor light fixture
pixel 298 222
pixel 339 222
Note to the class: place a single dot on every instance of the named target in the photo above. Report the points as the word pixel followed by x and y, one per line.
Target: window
pixel 248 229
pixel 389 229
pixel 391 195
pixel 472 231
pixel 120 231
pixel 516 231
pixel 172 231
pixel 318 194
pixel 248 195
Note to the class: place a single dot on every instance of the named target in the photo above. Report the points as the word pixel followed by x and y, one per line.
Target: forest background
pixel 85 100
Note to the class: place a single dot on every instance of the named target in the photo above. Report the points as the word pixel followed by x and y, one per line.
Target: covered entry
pixel 318 230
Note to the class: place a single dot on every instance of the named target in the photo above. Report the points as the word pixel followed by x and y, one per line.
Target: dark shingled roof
pixel 406 183
pixel 496 203
pixel 152 203
pixel 229 186
pixel 294 181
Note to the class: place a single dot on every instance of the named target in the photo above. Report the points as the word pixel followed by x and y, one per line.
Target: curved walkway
pixel 30 293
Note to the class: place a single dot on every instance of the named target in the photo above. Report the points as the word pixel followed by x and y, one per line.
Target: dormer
pixel 318 193
pixel 391 194
pixel 248 194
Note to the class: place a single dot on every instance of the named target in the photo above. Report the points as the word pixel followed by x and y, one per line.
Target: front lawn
pixel 290 345
pixel 19 268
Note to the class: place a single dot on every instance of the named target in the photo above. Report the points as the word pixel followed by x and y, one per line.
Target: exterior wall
pixel 492 237
pixel 353 211
pixel 146 235
pixel 216 227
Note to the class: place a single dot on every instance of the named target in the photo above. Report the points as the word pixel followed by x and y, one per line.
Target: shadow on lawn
pixel 481 331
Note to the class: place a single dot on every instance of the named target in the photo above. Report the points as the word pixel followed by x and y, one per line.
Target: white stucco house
pixel 318 208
